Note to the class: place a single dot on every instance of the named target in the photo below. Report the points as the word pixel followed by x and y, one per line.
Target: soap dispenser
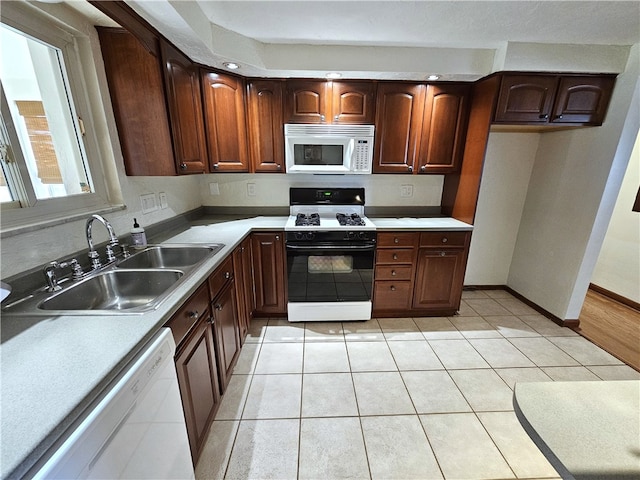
pixel 138 237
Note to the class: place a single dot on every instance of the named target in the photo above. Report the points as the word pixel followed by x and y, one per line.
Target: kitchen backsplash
pixel 226 190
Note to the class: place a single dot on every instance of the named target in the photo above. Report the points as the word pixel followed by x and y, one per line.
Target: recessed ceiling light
pixel 334 75
pixel 433 77
pixel 231 65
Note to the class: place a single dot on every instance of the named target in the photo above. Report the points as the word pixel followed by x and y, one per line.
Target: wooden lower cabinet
pixel 419 274
pixel 197 371
pixel 244 286
pixel 225 322
pixel 269 274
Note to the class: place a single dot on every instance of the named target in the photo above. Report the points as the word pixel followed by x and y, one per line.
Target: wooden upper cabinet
pixel 583 99
pixel 526 98
pixel 185 110
pixel 318 101
pixel 444 128
pixel 225 122
pixel 266 134
pixel 130 66
pixel 353 102
pixel 306 101
pixel 399 112
pixel 542 99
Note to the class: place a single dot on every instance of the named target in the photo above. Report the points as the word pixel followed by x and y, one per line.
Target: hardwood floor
pixel 612 326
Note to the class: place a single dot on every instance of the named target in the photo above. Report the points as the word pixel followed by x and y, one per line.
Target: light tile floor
pixel 422 398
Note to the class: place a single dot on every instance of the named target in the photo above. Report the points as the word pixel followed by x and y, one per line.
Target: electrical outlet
pixel 214 189
pixel 406 190
pixel 251 189
pixel 162 198
pixel 148 202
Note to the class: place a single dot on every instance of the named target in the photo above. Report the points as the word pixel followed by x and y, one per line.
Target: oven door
pixel 329 282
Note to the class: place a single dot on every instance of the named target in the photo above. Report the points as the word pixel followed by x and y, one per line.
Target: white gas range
pixel 330 255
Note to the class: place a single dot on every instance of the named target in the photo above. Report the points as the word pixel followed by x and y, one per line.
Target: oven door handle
pixel 315 248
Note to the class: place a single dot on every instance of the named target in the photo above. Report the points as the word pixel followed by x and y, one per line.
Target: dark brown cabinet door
pixel 267 251
pixel 185 110
pixel 526 98
pixel 306 101
pixel 266 134
pixel 225 321
pixel 444 128
pixel 244 286
pixel 225 122
pixel 353 102
pixel 583 99
pixel 399 111
pixel 439 278
pixel 198 381
pixel 131 70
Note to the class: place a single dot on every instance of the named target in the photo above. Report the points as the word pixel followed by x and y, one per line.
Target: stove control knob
pixel 309 235
pixel 363 236
pixel 299 235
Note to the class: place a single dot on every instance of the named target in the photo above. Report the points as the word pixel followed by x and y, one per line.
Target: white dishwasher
pixel 136 431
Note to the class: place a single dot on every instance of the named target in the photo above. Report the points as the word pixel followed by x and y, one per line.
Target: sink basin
pixel 172 256
pixel 114 290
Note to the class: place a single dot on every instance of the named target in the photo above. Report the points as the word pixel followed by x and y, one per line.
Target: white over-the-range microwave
pixel 328 149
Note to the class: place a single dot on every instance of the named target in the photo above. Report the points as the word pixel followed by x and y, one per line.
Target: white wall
pixel 273 189
pixel 552 263
pixel 505 179
pixel 618 266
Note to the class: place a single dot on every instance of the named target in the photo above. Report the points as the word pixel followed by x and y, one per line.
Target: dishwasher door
pixel 136 431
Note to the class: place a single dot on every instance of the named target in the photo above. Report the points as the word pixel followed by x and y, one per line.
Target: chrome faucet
pixel 49 271
pixel 113 242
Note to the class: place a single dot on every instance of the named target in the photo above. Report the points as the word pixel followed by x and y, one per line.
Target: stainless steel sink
pixel 114 290
pixel 170 256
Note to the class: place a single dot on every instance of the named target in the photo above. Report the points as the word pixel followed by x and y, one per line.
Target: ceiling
pixel 394 39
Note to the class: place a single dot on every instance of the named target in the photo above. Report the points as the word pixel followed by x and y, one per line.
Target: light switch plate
pixel 251 189
pixel 406 190
pixel 162 198
pixel 148 202
pixel 214 189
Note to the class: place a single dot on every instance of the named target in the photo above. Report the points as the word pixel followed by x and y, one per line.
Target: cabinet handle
pixel 277 237
pixel 216 166
pixel 218 306
pixel 393 288
pixel 410 168
pixel 183 166
pixel 442 254
pixel 393 273
pixel 558 116
pixel 279 167
pixel 322 118
pixel 194 314
pixel 227 275
pixel 396 240
pixel 445 239
pixel 544 116
pixel 423 168
pixel 395 256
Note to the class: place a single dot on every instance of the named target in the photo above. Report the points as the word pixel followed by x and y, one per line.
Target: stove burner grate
pixel 351 220
pixel 303 220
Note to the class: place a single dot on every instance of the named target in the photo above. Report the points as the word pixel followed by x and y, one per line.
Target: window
pixel 50 163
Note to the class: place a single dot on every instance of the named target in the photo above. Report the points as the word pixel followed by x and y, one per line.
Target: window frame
pixel 75 48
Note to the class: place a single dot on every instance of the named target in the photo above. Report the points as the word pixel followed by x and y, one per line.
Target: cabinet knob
pixel 183 166
pixel 218 306
pixel 322 118
pixel 445 239
pixel 336 118
pixel 442 254
pixel 423 168
pixel 410 168
pixel 216 166
pixel 395 256
pixel 396 240
pixel 393 288
pixel 393 273
pixel 279 167
pixel 559 116
pixel 227 275
pixel 194 314
pixel 544 116
pixel 277 237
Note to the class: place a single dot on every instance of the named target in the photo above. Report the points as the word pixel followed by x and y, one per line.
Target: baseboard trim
pixel 569 322
pixel 615 296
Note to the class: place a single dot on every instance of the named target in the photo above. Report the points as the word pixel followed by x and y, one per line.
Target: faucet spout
pixel 113 239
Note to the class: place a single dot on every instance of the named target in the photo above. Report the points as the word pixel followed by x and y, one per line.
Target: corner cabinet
pixel 225 122
pixel 316 101
pixel 185 110
pixel 547 100
pixel 265 125
pixel 269 273
pixel 419 274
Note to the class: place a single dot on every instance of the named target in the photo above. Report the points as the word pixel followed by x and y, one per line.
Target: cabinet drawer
pixel 394 272
pixel 395 256
pixel 189 313
pixel 443 239
pixel 392 295
pixel 403 239
pixel 222 274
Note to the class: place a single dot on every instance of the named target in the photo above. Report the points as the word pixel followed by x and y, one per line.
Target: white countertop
pixel 52 368
pixel 587 430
